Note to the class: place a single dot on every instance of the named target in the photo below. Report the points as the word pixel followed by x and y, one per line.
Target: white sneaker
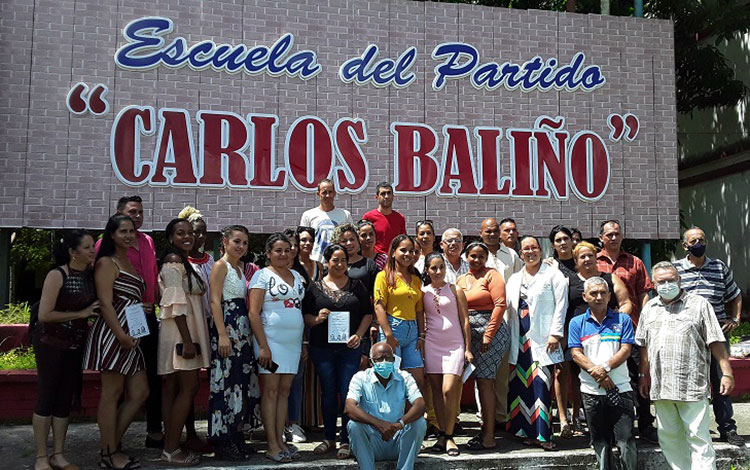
pixel 296 433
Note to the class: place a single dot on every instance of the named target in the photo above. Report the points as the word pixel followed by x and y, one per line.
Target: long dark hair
pixel 426 280
pixel 553 233
pixel 390 265
pixel 70 240
pixel 108 248
pixel 171 249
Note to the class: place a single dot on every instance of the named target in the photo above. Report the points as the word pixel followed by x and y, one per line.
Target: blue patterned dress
pixel 235 396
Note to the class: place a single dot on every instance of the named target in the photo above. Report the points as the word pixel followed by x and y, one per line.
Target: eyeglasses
pixel 530 249
pixel 450 241
pixel 384 359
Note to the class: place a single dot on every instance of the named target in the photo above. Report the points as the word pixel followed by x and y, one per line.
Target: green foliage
pixel 14 314
pixel 739 332
pixel 32 249
pixel 18 359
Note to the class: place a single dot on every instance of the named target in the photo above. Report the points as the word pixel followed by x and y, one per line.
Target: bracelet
pixel 305 343
pixel 728 375
pixel 420 339
pixel 642 375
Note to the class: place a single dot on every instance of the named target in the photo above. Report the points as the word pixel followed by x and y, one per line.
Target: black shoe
pixel 230 451
pixel 432 432
pixel 731 437
pixel 154 443
pixel 650 435
pixel 458 430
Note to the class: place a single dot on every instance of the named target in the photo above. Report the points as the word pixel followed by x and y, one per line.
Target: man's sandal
pixel 324 447
pixel 344 452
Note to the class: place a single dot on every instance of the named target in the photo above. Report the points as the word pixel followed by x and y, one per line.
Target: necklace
pixel 436 298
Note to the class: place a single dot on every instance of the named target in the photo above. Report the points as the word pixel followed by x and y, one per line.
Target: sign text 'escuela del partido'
pixel 469 111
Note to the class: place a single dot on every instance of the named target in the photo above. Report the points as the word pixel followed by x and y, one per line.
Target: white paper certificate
pixel 468 371
pixel 136 318
pixel 338 327
pixel 546 358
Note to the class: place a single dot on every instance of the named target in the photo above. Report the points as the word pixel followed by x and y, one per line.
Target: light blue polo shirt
pixel 386 403
pixel 599 343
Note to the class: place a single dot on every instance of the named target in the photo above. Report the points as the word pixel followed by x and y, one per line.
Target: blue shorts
pixel 406 333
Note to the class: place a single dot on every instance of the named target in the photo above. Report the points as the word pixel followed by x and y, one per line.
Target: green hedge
pixel 18 359
pixel 739 332
pixel 15 313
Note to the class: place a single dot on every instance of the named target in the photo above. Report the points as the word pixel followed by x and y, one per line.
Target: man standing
pixel 678 333
pixel 378 427
pixel 509 233
pixel 712 279
pixel 452 243
pixel 388 223
pixel 324 218
pixel 142 255
pixel 600 341
pixel 631 270
pixel 507 262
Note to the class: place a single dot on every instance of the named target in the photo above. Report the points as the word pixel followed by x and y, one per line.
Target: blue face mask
pixel 383 369
pixel 668 290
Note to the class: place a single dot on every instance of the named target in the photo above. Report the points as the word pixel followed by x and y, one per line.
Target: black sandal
pixel 437 447
pixel 230 451
pixel 451 452
pixel 105 462
pixel 476 444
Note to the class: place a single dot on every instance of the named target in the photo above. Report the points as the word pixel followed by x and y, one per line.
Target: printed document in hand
pixel 546 358
pixel 136 318
pixel 338 327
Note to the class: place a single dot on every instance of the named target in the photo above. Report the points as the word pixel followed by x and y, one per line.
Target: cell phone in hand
pixel 178 348
pixel 273 367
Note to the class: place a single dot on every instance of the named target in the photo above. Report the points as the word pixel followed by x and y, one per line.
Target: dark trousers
pixel 608 425
pixel 722 404
pixel 645 418
pixel 335 368
pixel 150 347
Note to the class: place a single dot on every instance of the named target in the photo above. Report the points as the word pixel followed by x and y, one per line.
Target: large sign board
pixel 240 108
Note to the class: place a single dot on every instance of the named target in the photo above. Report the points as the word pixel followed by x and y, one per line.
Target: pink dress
pixel 444 339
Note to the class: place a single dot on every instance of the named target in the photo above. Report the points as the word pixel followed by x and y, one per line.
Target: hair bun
pixel 190 213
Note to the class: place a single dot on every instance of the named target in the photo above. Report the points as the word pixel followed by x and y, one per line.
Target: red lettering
pixel 265 175
pixel 589 166
pixel 125 145
pixel 458 163
pixel 309 152
pixel 174 149
pixel 488 158
pixel 415 169
pixel 223 164
pixel 348 134
pixel 550 165
pixel 520 143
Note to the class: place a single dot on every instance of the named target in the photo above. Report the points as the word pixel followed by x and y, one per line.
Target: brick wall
pixel 55 168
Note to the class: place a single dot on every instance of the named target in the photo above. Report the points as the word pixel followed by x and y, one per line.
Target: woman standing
pixel 202 263
pixel 183 338
pixel 311 270
pixel 361 268
pixel 537 299
pixel 447 347
pixel 426 240
pixel 68 299
pixel 234 387
pixel 276 294
pixel 485 295
pixel 398 306
pixel 562 241
pixel 110 348
pixel 367 238
pixel 336 362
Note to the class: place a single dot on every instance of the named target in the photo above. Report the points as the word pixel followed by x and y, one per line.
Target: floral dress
pixel 235 396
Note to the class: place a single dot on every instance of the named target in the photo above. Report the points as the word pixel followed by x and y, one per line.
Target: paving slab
pixel 17 451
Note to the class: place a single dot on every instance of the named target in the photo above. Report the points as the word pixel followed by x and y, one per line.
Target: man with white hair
pixel 712 279
pixel 452 243
pixel 677 334
pixel 600 341
pixel 380 426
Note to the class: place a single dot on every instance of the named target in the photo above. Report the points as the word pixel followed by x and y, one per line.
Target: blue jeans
pixel 722 405
pixel 368 446
pixel 335 368
pixel 296 393
pixel 406 333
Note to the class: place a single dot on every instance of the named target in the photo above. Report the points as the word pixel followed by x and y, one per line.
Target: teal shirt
pixel 385 403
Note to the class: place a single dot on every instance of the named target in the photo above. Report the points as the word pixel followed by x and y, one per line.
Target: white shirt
pixel 324 222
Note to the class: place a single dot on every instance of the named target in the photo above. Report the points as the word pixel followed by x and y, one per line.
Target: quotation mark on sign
pixel 79 99
pixel 625 125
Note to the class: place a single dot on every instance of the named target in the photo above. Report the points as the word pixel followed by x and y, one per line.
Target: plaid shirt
pixel 676 337
pixel 712 281
pixel 631 270
pixel 451 273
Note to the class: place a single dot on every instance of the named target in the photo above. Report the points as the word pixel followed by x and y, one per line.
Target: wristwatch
pixel 606 367
pixel 401 422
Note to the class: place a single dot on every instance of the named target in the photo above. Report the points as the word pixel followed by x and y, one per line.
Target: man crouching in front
pixel 379 428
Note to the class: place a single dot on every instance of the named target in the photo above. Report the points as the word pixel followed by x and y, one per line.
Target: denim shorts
pixel 406 333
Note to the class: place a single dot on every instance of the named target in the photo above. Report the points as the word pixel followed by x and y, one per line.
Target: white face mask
pixel 668 290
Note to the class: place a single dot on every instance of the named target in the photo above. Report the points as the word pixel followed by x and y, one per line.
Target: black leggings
pixel 59 372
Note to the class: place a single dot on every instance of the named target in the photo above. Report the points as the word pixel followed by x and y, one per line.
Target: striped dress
pixel 103 350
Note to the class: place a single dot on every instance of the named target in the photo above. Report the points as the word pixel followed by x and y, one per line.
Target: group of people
pixel 388 324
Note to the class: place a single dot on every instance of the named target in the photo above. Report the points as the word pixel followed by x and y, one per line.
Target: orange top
pixel 486 292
